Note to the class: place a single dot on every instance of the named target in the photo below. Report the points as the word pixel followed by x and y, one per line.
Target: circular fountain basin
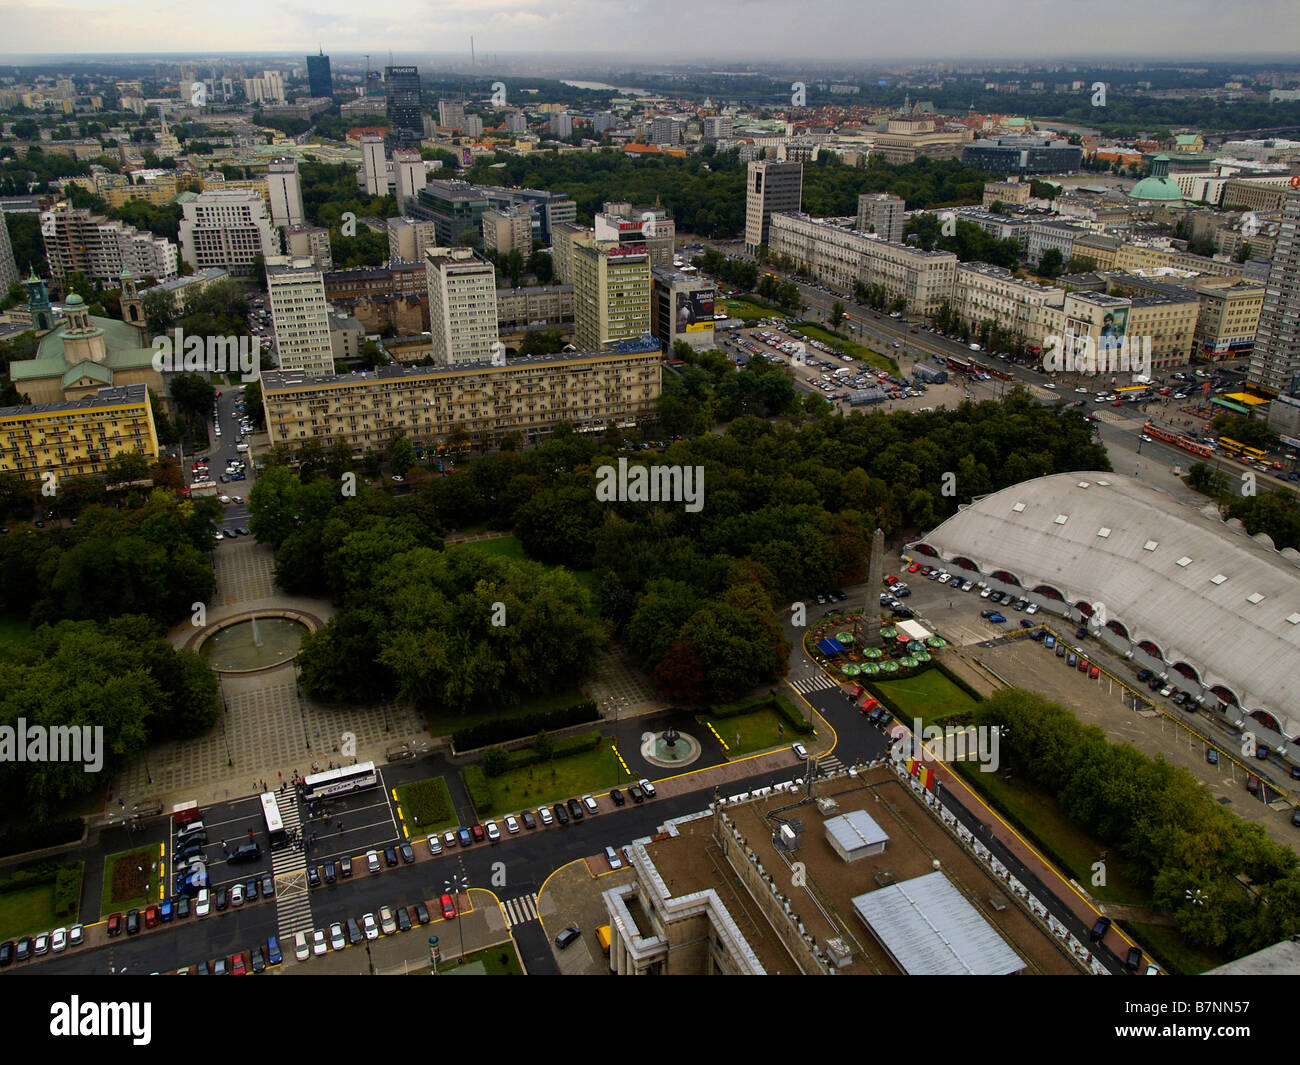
pixel 656 750
pixel 251 644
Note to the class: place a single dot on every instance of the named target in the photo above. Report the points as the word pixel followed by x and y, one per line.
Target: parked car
pixel 133 922
pixel 422 913
pixel 203 903
pixel 575 810
pixel 273 953
pixel 152 917
pixel 635 793
pixel 611 856
pixel 301 950
pixel 76 935
pixel 408 853
pixel 370 926
pixel 530 822
pixel 387 923
pixel 435 845
pixel 512 824
pixel 493 832
pixel 390 857
pixel 561 813
pixel 403 919
pixel 448 907
pixel 319 944
pixel 1100 928
pixel 372 861
pixel 647 788
pixel 589 804
pixel 568 937
pixel 1212 756
pixel 545 816
pixel 337 940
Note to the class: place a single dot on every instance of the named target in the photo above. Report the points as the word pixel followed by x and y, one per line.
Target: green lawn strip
pixel 1037 815
pixel 1167 946
pixel 757 732
pixel 929 695
pixel 500 960
pixel 427 806
pixel 444 724
pixel 27 911
pixel 848 347
pixel 40 897
pixel 124 887
pixel 561 778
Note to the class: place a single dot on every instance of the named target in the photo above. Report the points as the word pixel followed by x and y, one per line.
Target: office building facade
pixel 1275 361
pixel 319 81
pixel 611 293
pixel 402 89
pixel 286 192
pixel 770 188
pixel 227 228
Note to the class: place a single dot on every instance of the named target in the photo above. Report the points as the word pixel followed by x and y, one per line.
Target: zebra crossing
pixel 829 764
pixel 816 683
pixel 520 910
pixel 289 867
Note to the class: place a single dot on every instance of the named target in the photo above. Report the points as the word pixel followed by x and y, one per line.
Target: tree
pixel 837 314
pixel 1052 263
pixel 401 455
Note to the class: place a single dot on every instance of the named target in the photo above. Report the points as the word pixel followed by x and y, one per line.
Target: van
pixel 245 852
pixel 602 937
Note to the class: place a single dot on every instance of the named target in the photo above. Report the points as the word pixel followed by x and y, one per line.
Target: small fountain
pixel 257 636
pixel 669 748
pixel 252 643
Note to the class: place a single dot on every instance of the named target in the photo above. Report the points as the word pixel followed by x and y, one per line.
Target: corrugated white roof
pixel 931 930
pixel 1167 572
pixel 856 829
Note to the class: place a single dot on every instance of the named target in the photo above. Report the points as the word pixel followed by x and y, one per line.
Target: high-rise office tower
pixel 451 113
pixel 300 314
pixel 286 192
pixel 611 292
pixel 408 175
pixel 771 188
pixel 319 81
pixel 402 85
pixel 462 305
pixel 1275 361
pixel 374 166
pixel 881 214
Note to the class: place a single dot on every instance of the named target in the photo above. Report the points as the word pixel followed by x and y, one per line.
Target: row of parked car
pixel 389 921
pixel 28 947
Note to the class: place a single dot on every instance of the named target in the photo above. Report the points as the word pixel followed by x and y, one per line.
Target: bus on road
pixel 340 781
pixel 275 832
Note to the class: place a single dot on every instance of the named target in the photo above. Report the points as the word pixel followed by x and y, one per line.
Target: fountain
pixel 257 636
pixel 670 748
pixel 252 643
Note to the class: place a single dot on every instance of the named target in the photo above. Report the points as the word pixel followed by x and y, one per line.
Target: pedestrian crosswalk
pixel 816 683
pixel 829 764
pixel 289 867
pixel 520 910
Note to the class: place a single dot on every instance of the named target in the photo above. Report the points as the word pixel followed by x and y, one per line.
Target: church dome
pixel 1159 186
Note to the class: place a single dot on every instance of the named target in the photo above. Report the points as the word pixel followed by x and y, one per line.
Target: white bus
pixel 340 781
pixel 275 832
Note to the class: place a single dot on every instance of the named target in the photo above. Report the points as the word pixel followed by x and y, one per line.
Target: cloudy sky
pixel 660 30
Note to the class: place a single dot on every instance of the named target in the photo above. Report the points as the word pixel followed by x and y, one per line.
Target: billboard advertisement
pixel 466 157
pixel 695 311
pixel 1114 326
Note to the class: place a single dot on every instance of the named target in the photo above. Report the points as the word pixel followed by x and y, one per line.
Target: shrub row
pixel 497 760
pixel 476 785
pixel 505 729
pixel 777 703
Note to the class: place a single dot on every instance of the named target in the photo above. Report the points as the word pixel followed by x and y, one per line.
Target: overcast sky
pixel 761 30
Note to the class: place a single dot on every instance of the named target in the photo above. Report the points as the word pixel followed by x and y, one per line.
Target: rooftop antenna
pixel 471 49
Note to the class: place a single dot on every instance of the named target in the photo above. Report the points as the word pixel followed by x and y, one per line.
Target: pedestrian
pixel 340 827
pixel 279 774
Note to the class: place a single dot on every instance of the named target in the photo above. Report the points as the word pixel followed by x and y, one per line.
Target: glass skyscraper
pixel 318 75
pixel 402 85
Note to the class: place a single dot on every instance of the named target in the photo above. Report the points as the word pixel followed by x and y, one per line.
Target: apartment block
pixel 770 188
pixel 538 307
pixel 508 230
pixel 77 241
pixel 77 437
pixel 1170 321
pixel 8 267
pixel 462 306
pixel 392 298
pixel 227 228
pixel 1135 257
pixel 300 314
pixel 286 192
pixel 410 238
pixel 1258 194
pixel 530 395
pixel 373 176
pixel 1228 319
pixel 409 175
pixel 312 242
pixel 1045 236
pixel 1275 362
pixel 611 293
pixel 882 214
pixel 451 114
pixel 982 291
pixel 563 236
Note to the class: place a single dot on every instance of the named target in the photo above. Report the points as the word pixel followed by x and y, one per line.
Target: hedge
pixel 480 794
pixel 514 728
pixel 38 836
pixel 585 741
pixel 66 879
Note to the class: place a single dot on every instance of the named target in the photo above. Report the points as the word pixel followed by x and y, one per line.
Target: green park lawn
pixel 500 960
pixel 849 347
pixel 561 778
pixel 427 807
pixel 27 911
pixel 929 695
pixel 747 733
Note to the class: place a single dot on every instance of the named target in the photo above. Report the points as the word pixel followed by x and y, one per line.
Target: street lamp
pixel 457 884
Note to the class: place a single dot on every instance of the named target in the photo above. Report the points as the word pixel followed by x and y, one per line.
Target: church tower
pixel 38 303
pixel 133 306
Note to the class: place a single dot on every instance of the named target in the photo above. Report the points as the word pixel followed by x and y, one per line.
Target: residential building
pixel 516 122
pixel 536 307
pixel 718 127
pixel 228 228
pixel 451 114
pixel 319 81
pixel 410 238
pixel 1023 155
pixel 312 242
pixel 508 230
pixel 530 395
pixel 1008 193
pixel 562 124
pixel 983 292
pixel 681 308
pixel 664 129
pixel 602 122
pixel 1259 194
pixel 626 223
pixel 882 214
pixel 409 176
pixel 374 166
pixel 472 126
pixel 296 289
pixel 8 267
pixel 770 188
pixel 402 89
pixel 563 236
pixel 391 299
pixel 462 306
pixel 266 89
pixel 611 292
pixel 1228 319
pixel 1275 361
pixel 346 337
pixel 286 192
pixel 1136 257
pixel 77 437
pixel 77 241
